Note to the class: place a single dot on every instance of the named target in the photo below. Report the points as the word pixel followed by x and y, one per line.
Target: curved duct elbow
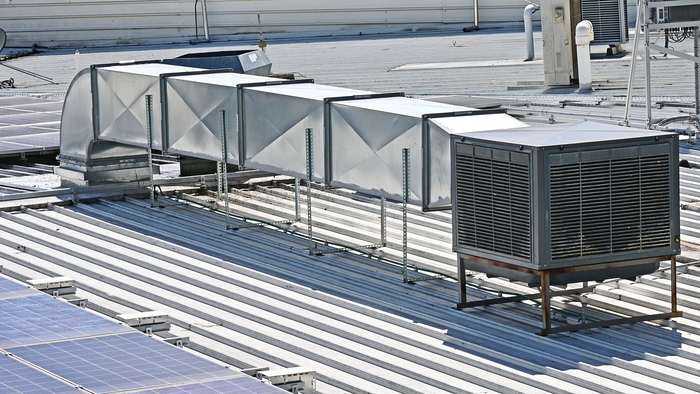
pixel 584 33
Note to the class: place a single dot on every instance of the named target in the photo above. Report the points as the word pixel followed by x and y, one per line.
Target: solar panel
pixel 15 131
pixel 30 118
pixel 10 289
pixel 16 377
pixel 239 385
pixel 123 362
pixel 40 318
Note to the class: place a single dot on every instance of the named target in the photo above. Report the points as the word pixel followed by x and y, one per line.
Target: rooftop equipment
pixel 557 205
pixel 358 136
pixel 609 19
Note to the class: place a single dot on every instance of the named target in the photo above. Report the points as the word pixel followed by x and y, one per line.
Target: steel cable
pixel 7 84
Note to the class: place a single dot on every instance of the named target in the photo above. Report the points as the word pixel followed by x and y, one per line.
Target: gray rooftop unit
pixel 563 198
pixel 609 19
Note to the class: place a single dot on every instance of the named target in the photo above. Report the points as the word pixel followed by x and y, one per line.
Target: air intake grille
pixel 609 19
pixel 493 200
pixel 607 206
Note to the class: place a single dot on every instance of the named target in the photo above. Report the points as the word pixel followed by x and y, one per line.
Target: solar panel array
pixel 52 346
pixel 29 124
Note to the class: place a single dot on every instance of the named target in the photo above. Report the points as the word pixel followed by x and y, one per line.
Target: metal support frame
pixel 637 31
pixel 696 52
pixel 648 26
pixel 406 157
pixel 382 218
pixel 149 133
pixel 297 214
pixel 223 179
pixel 313 250
pixel 546 295
pixel 309 175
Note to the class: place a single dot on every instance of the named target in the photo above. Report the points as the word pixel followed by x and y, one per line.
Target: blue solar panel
pixel 42 318
pixel 12 289
pixel 124 362
pixel 239 385
pixel 16 377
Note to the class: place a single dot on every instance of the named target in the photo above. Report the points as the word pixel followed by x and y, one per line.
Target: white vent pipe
pixel 584 36
pixel 206 20
pixel 527 15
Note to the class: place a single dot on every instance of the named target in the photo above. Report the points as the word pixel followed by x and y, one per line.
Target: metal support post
pixel 546 311
pixel 461 282
pixel 647 64
pixel 406 156
pixel 297 215
pixel 674 296
pixel 149 132
pixel 309 174
pixel 637 31
pixel 696 46
pixel 224 161
pixel 218 181
pixel 383 221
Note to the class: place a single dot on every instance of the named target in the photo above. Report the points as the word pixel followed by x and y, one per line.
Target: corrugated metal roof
pixel 254 297
pixel 258 294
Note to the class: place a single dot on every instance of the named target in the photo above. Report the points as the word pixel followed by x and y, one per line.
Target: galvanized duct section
pixel 358 136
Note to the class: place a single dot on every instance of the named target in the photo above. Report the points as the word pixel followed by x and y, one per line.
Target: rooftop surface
pixel 254 297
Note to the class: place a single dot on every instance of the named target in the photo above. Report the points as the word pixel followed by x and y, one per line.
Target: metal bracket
pixel 546 294
pixel 412 281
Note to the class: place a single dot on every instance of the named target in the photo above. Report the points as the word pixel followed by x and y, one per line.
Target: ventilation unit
pixel 553 199
pixel 609 19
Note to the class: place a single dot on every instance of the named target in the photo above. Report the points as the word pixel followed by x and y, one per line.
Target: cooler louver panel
pixel 493 201
pixel 609 19
pixel 609 206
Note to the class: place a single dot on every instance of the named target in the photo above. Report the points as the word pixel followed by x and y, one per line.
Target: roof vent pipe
pixel 527 15
pixel 584 36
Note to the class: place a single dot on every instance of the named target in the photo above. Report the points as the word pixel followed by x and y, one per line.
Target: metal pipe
pixel 584 36
pixel 206 20
pixel 647 63
pixel 476 13
pixel 637 29
pixel 530 41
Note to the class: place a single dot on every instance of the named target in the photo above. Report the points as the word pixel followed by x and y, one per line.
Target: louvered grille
pixel 493 201
pixel 609 206
pixel 609 19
